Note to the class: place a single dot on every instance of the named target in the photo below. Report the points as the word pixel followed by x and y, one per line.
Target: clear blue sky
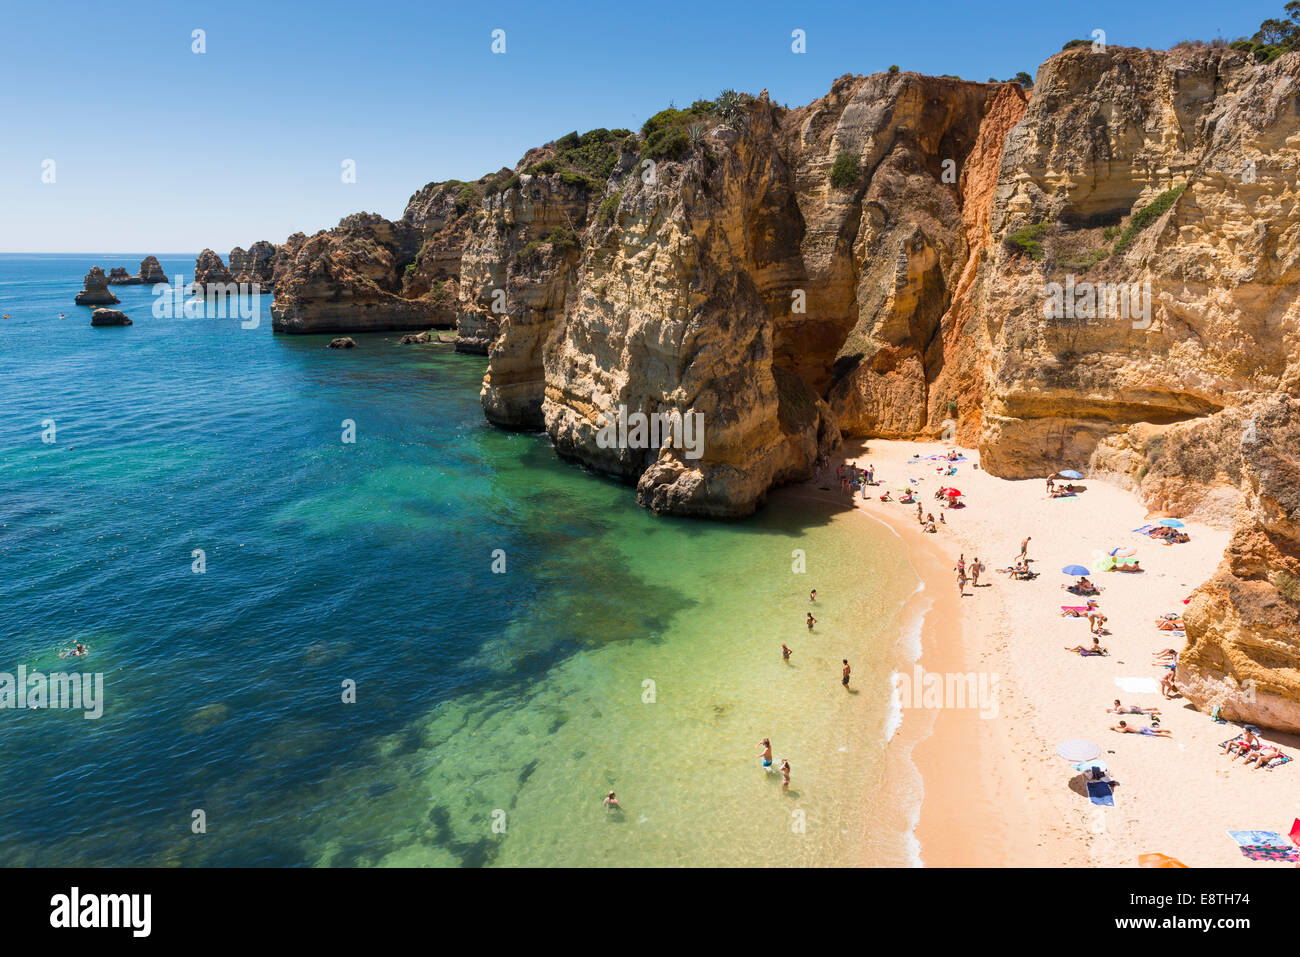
pixel 158 149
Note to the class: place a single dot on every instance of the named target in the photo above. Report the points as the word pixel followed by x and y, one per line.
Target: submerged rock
pixel 343 342
pixel 413 339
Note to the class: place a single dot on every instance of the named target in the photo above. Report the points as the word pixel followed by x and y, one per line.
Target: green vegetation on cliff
pixel 845 171
pixel 1147 215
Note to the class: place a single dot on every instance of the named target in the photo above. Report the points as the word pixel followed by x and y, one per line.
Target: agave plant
pixel 730 106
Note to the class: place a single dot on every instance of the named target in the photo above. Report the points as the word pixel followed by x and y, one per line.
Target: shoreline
pixel 994 791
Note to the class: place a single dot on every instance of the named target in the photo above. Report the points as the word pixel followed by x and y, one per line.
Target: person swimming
pixel 611 802
pixel 765 749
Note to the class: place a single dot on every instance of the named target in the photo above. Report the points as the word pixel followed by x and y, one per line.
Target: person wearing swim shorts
pixel 765 749
pixel 811 621
pixel 847 670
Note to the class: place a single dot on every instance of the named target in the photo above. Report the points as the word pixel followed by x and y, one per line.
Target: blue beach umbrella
pixel 1074 570
pixel 1071 474
pixel 1170 523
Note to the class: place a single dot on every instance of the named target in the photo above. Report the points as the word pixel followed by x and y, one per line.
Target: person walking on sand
pixel 811 621
pixel 961 582
pixel 765 750
pixel 785 652
pixel 1024 546
pixel 975 573
pixel 847 671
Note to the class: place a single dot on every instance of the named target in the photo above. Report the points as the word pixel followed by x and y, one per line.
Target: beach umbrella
pixel 1170 523
pixel 1071 474
pixel 1076 749
pixel 1074 570
pixel 1159 860
pixel 951 492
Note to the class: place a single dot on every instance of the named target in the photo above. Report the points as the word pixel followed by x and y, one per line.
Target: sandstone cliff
pixel 209 268
pixel 151 272
pixel 892 260
pixel 255 264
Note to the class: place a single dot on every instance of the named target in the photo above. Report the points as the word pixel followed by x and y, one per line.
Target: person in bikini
pixel 1125 728
pixel 785 652
pixel 1096 648
pixel 1263 756
pixel 785 775
pixel 1118 708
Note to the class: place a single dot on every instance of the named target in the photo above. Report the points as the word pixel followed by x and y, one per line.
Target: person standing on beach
pixel 975 573
pixel 1024 546
pixel 847 670
pixel 811 621
pixel 785 652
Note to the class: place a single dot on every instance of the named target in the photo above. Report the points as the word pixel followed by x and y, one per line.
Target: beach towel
pixel 1144 529
pixel 1138 685
pixel 1295 832
pixel 1265 846
pixel 1099 792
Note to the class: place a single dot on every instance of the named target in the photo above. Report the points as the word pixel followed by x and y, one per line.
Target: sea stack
pixel 150 272
pixel 96 292
pixel 109 317
pixel 209 268
pixel 254 265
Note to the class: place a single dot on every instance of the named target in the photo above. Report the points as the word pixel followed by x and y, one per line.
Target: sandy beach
pixel 996 793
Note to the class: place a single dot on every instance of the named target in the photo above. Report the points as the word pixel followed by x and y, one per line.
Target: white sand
pixel 996 793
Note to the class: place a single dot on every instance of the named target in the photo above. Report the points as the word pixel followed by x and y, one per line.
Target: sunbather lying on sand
pixel 1125 728
pixel 1164 656
pixel 1165 624
pixel 1133 566
pixel 1118 708
pixel 1078 611
pixel 1096 648
pixel 1264 755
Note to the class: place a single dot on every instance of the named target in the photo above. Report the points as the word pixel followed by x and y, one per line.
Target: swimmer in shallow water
pixel 785 652
pixel 765 749
pixel 611 802
pixel 811 621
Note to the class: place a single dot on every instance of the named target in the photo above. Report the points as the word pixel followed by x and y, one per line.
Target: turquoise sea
pixel 492 711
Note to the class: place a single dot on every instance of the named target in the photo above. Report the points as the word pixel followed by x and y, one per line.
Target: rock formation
pixel 1102 274
pixel 255 265
pixel 415 338
pixel 96 291
pixel 151 272
pixel 343 342
pixel 209 268
pixel 109 317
